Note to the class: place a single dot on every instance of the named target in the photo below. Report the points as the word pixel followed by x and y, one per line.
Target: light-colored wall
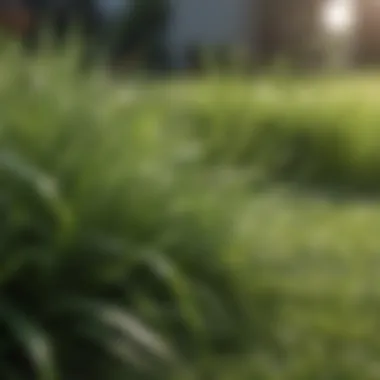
pixel 200 23
pixel 208 23
pixel 111 9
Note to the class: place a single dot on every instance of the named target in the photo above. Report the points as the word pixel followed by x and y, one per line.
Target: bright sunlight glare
pixel 338 16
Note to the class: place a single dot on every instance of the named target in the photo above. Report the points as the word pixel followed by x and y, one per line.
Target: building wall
pixel 111 9
pixel 289 28
pixel 368 32
pixel 203 23
pixel 267 28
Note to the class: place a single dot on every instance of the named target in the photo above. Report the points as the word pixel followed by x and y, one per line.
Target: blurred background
pixel 174 33
pixel 189 189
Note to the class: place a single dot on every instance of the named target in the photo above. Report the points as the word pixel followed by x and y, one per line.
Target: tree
pixel 143 32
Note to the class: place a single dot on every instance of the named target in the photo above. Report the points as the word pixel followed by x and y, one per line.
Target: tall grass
pixel 319 132
pixel 112 232
pixel 174 230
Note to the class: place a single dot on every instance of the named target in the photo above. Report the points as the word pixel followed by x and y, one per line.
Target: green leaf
pixel 115 328
pixel 33 341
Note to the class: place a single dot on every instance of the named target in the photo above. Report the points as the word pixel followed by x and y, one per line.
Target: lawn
pixel 215 228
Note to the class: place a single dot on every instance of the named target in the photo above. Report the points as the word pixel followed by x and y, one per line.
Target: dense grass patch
pixel 112 232
pixel 164 230
pixel 320 133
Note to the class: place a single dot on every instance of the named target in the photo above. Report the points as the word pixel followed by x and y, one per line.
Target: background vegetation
pixel 208 229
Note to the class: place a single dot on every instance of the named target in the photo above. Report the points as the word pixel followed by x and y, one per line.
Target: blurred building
pixel 367 47
pixel 267 29
pixel 289 29
pixel 300 32
pixel 203 24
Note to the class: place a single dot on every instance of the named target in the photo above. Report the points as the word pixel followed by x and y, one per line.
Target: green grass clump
pixel 319 133
pixel 178 229
pixel 117 257
pixel 309 151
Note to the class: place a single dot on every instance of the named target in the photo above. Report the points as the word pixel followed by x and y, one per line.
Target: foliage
pixel 317 132
pixel 142 33
pixel 186 229
pixel 111 231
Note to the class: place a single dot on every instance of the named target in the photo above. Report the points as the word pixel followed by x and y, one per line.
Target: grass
pixel 220 228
